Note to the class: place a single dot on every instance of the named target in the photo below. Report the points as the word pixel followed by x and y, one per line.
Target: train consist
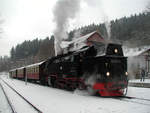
pixel 101 68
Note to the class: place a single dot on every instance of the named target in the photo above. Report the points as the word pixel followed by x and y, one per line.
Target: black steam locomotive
pixel 101 68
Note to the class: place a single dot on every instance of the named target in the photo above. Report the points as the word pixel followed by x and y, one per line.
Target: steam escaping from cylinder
pixel 64 11
pixel 90 80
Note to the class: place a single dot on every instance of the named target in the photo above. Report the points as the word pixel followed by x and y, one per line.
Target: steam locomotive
pixel 100 68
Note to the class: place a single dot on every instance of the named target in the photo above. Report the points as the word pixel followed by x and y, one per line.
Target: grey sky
pixel 28 19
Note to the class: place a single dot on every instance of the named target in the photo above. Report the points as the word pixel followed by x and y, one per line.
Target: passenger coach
pixel 13 73
pixel 21 72
pixel 35 72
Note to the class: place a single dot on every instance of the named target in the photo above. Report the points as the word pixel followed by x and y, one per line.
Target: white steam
pixel 135 64
pixel 64 11
pixel 99 7
pixel 136 61
pixel 108 27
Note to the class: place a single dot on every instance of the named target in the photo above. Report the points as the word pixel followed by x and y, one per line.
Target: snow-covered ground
pixel 138 81
pixel 17 101
pixel 51 100
pixel 4 106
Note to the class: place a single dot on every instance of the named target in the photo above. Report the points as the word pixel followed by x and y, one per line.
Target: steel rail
pixel 137 98
pixel 10 104
pixel 37 109
pixel 129 99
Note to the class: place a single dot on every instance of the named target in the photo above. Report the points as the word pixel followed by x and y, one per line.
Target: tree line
pixel 131 31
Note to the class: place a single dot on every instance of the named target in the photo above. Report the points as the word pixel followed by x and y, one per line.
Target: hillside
pixel 133 31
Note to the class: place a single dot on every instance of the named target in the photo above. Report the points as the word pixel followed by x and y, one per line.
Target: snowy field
pixel 138 81
pixel 4 106
pixel 51 100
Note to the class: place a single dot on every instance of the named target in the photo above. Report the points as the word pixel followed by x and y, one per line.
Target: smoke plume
pixel 108 28
pixel 64 11
pixel 98 5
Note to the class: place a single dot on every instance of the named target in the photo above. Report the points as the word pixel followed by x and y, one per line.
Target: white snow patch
pixel 4 106
pixel 138 81
pixel 134 51
pixel 52 100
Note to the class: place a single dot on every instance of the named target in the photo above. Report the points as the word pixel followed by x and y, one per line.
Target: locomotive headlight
pixel 116 50
pixel 108 74
pixel 126 73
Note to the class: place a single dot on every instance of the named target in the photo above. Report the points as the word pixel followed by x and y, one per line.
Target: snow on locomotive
pixel 99 67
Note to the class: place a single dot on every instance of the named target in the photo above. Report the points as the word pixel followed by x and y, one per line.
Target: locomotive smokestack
pixel 64 11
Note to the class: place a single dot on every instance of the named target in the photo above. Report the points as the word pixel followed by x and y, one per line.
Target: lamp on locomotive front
pixel 108 74
pixel 126 73
pixel 116 50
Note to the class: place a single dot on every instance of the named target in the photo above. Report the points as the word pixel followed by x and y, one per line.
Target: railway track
pixel 137 100
pixel 27 101
pixel 8 101
pixel 128 97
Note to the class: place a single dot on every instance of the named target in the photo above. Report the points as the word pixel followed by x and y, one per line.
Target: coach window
pixel 35 69
pixel 38 69
pixel 72 58
pixel 31 70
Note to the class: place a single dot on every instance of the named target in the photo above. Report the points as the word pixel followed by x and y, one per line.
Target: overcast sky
pixel 29 19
